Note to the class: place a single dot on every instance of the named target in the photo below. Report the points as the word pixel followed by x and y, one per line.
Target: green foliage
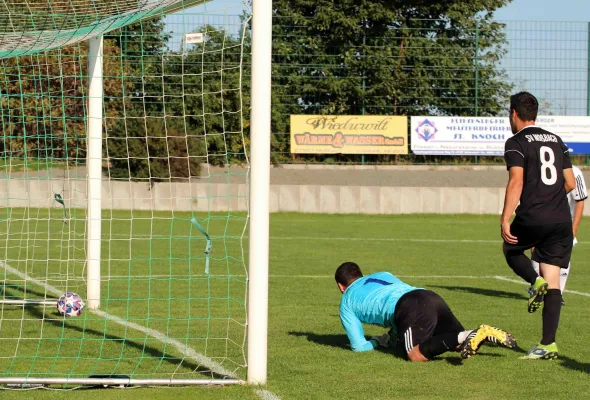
pixel 376 57
pixel 386 57
pixel 181 107
pixel 43 103
pixel 164 110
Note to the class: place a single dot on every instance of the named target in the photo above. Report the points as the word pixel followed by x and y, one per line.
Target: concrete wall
pixel 219 197
pixel 386 200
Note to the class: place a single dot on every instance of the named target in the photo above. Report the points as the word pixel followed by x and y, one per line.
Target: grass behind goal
pixel 309 358
pixel 158 300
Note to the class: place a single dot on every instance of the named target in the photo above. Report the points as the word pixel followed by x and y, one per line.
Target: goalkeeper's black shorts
pixel 421 314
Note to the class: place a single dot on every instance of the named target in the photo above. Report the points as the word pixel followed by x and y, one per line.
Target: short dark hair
pixel 347 273
pixel 525 105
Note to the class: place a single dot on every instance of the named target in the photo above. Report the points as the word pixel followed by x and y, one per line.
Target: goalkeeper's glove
pixel 383 340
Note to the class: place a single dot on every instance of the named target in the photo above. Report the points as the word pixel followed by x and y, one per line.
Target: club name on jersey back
pixel 541 137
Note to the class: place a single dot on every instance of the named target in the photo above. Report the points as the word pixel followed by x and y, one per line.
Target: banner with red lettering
pixel 349 134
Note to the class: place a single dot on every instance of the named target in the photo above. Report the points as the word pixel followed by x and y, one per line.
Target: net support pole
pixel 259 191
pixel 94 165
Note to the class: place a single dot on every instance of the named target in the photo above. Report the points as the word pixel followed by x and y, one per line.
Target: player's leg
pixel 527 236
pixel 553 255
pixel 538 289
pixel 563 277
pixel 435 330
pixel 547 348
pixel 524 268
pixel 536 267
pixel 469 340
pixel 416 320
pixel 519 262
pixel 534 263
pixel 410 326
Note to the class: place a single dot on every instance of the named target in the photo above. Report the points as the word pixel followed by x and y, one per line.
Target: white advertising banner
pixel 485 136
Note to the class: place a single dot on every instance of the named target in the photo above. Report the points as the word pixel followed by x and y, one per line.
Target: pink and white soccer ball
pixel 70 305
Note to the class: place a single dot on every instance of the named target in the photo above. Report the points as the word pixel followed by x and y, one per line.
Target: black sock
pixel 521 264
pixel 439 344
pixel 551 311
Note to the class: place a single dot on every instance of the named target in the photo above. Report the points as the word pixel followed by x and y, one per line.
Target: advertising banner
pixel 349 134
pixel 485 136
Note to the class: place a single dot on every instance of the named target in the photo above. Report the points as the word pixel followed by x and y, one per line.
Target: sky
pixel 548 52
pixel 546 55
pixel 545 10
pixel 517 10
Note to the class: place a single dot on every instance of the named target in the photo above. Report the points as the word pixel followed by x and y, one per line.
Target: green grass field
pixel 459 257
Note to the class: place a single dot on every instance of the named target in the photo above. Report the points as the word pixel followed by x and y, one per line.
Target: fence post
pixel 588 82
pixel 363 84
pixel 588 76
pixel 476 71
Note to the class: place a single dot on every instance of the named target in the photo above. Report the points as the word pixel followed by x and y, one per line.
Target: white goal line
pixel 132 236
pixel 185 350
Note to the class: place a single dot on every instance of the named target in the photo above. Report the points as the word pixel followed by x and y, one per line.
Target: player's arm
pixel 568 173
pixel 578 211
pixel 580 195
pixel 570 180
pixel 511 199
pixel 354 330
pixel 514 157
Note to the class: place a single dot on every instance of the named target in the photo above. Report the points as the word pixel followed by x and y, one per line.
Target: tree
pixel 183 108
pixel 43 102
pixel 387 57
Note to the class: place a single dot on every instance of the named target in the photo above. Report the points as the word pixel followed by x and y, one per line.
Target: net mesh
pixel 173 277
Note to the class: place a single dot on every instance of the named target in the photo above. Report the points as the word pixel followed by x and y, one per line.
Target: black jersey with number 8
pixel 544 156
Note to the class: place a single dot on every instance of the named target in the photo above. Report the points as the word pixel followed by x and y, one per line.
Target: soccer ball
pixel 70 305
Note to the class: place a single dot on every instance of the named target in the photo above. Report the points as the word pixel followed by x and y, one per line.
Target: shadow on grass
pixel 341 342
pixel 456 361
pixel 338 341
pixel 482 292
pixel 574 365
pixel 154 353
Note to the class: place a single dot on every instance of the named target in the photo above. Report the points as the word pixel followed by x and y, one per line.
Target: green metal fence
pixel 425 67
pixel 414 67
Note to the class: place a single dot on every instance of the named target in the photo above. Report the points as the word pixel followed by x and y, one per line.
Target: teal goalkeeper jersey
pixel 371 300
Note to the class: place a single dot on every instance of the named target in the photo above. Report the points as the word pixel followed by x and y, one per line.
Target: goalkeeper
pixel 425 325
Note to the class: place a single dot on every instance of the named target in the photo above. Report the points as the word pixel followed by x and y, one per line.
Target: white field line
pixel 421 240
pixel 521 282
pixel 182 348
pixel 266 394
pixel 127 237
pixel 168 276
pixel 130 236
pixel 399 276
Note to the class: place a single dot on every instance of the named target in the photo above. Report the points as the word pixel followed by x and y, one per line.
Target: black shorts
pixel 421 314
pixel 553 243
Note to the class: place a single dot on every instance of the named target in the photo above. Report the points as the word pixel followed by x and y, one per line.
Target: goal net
pixel 129 113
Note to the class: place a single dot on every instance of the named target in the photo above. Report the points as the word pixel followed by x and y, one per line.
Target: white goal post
pixel 259 191
pixel 258 180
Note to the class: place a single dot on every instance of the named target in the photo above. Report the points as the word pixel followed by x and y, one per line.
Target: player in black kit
pixel 540 176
